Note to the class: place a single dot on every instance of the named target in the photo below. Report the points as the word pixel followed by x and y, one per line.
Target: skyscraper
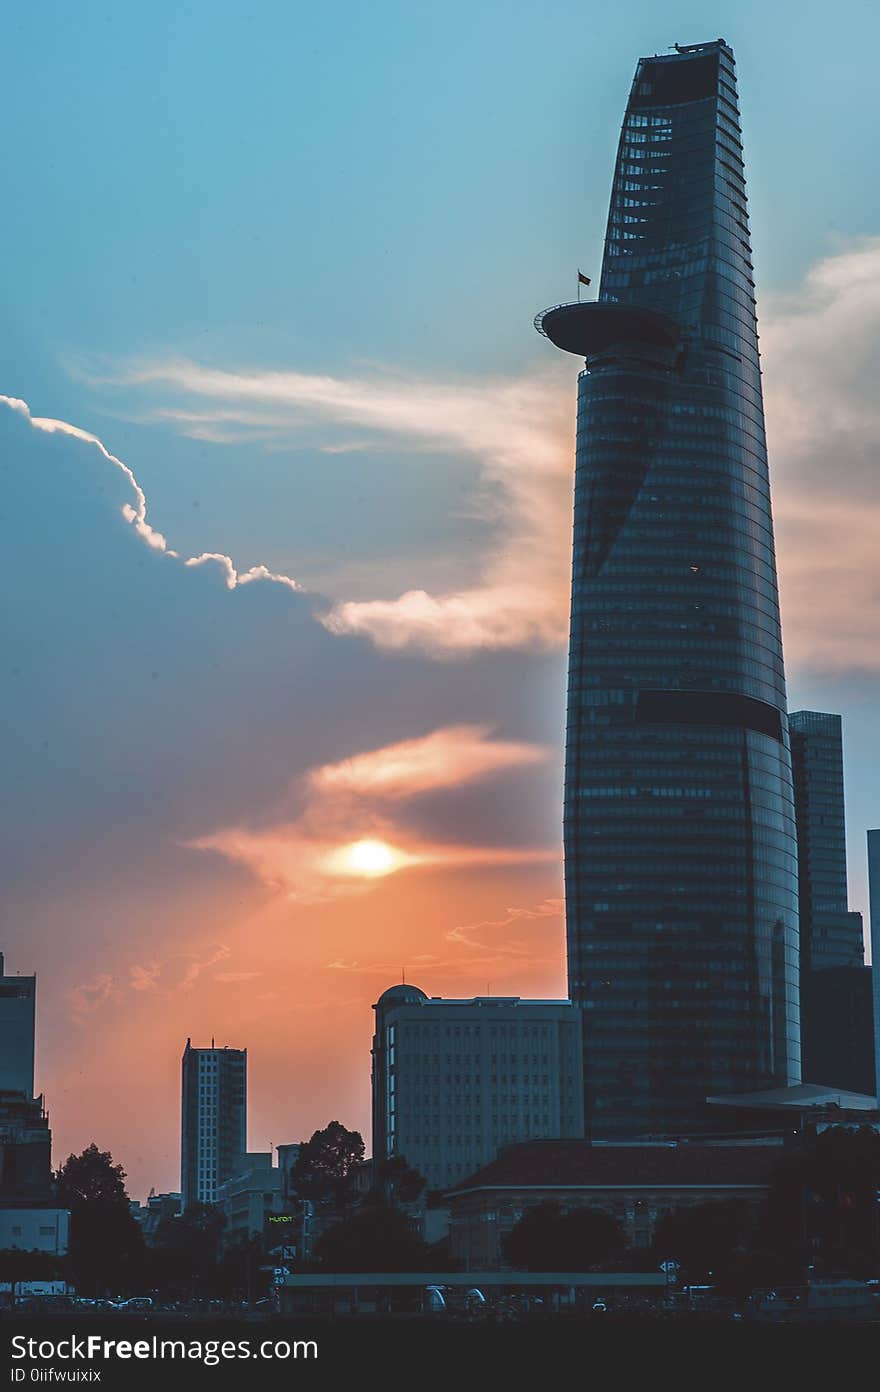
pixel 830 936
pixel 680 848
pixel 18 995
pixel 30 1219
pixel 836 1035
pixel 213 1130
pixel 874 914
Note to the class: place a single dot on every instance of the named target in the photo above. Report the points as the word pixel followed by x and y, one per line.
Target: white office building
pixel 213 1120
pixel 455 1080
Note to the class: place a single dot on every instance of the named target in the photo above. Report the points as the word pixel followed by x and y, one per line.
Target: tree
pixel 325 1164
pixel 378 1238
pixel 186 1251
pixel 823 1210
pixel 242 1272
pixel 396 1182
pixel 705 1238
pixel 106 1247
pixel 16 1266
pixel 548 1239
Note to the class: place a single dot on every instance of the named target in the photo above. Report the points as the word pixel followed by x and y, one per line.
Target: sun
pixel 370 858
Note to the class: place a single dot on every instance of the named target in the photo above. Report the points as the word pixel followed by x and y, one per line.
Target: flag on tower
pixel 582 279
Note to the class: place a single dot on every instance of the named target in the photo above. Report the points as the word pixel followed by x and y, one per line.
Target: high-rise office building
pixel 213 1131
pixel 18 996
pixel 874 915
pixel 30 1219
pixel 836 1012
pixel 454 1080
pixel 680 848
pixel 830 935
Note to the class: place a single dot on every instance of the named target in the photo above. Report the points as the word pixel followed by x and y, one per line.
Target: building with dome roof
pixel 455 1080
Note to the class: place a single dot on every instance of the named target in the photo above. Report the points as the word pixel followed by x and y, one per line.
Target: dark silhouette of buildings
pixel 837 1011
pixel 636 1184
pixel 874 916
pixel 680 846
pixel 836 1006
pixel 830 935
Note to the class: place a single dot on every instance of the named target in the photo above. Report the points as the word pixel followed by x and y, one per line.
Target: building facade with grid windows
pixel 454 1081
pixel 213 1120
pixel 680 843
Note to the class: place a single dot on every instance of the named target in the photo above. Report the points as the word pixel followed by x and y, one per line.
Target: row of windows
pixel 518 1030
pixel 685 447
pixel 734 415
pixel 478 1060
pixel 608 597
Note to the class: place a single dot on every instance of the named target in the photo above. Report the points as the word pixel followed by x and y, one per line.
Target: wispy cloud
pixel 446 758
pixel 136 513
pixel 90 996
pixel 519 432
pixel 346 836
pixel 176 973
pixel 489 945
pixel 821 351
pixel 475 935
pixel 821 359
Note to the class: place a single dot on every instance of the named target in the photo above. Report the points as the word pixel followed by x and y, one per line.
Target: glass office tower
pixel 680 846
pixel 831 935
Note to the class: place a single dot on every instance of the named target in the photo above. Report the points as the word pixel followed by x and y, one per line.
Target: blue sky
pixel 283 262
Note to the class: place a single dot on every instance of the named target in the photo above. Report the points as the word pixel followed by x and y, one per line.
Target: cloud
pixel 465 932
pixel 445 758
pixel 144 978
pixel 136 514
pixel 488 944
pixel 345 838
pixel 821 350
pixel 379 968
pixel 312 870
pixel 176 973
pixel 90 996
pixel 519 433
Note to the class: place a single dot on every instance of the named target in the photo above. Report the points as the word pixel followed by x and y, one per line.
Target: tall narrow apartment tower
pixel 213 1129
pixel 680 844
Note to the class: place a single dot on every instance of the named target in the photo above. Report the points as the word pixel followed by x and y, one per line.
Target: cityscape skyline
pixel 203 774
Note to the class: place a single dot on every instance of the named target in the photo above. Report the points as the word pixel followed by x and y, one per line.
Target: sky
pixel 286 504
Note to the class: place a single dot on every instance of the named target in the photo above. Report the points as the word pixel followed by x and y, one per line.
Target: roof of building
pixel 577 1164
pixel 798 1097
pixel 401 994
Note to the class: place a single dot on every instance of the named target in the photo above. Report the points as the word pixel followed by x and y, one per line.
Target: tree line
pixel 821 1216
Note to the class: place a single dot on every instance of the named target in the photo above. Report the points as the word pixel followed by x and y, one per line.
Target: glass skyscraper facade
pixel 874 915
pixel 680 843
pixel 831 936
